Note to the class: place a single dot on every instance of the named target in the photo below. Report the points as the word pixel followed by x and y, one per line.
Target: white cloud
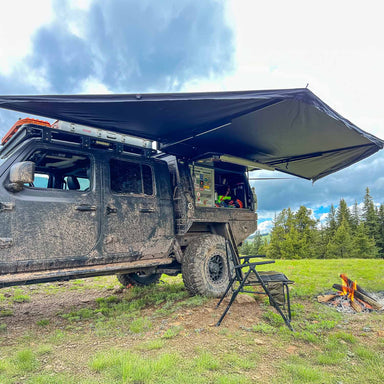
pixel 91 85
pixel 18 20
pixel 265 227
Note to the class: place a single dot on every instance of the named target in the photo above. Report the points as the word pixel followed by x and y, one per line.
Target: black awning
pixel 292 130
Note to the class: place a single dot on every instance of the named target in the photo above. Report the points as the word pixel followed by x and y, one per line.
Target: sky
pixel 126 46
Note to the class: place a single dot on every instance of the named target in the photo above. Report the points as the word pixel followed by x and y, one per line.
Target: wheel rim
pixel 216 268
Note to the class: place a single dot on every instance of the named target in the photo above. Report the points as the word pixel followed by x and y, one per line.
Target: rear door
pixel 138 220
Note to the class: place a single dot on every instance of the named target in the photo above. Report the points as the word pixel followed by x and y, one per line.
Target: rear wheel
pixel 139 278
pixel 205 267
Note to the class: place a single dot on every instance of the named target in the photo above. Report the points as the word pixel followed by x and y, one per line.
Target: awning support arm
pixel 194 136
pixel 254 109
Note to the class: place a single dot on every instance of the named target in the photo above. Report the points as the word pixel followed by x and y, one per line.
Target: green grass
pixel 19 297
pixel 140 325
pixel 115 365
pixel 315 276
pixel 150 335
pixel 43 322
pixel 172 332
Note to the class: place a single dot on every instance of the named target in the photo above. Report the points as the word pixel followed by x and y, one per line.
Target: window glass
pixel 61 170
pixel 147 180
pixel 82 186
pixel 130 177
pixel 41 180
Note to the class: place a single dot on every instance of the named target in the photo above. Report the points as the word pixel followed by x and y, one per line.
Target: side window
pixel 147 180
pixel 84 183
pixel 61 170
pixel 41 180
pixel 130 177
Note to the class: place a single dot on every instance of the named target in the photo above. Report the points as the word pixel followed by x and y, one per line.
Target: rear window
pixel 131 177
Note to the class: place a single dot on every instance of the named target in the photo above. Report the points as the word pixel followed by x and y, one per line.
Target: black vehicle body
pixel 64 230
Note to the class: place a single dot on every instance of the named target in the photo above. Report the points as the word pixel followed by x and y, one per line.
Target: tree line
pixel 347 233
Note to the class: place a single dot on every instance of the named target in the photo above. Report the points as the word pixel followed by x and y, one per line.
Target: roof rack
pixel 76 134
pixel 102 134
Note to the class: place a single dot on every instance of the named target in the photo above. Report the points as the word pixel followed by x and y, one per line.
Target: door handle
pixel 85 207
pixel 147 210
pixel 6 206
pixel 111 210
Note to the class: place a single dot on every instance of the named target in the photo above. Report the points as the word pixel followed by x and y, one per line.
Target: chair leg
pixel 226 291
pixel 233 298
pixel 288 302
pixel 272 300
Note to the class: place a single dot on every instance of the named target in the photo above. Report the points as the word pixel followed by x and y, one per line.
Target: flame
pixel 344 288
pixel 348 288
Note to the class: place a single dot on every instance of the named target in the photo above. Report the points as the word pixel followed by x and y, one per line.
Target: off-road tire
pixel 138 279
pixel 205 267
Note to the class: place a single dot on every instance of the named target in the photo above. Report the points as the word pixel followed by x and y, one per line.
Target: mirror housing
pixel 20 174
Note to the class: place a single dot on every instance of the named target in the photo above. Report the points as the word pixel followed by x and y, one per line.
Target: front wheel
pixel 139 278
pixel 205 266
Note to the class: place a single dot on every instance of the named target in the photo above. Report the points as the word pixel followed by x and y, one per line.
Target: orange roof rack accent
pixel 21 122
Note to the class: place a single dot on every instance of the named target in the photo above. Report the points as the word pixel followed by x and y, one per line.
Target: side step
pixel 79 272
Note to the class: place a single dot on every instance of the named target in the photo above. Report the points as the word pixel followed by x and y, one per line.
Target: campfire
pixel 351 297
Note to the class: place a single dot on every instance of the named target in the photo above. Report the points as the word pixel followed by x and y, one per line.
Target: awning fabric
pixel 291 130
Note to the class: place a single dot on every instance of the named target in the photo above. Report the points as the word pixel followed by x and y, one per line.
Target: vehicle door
pixel 55 220
pixel 137 222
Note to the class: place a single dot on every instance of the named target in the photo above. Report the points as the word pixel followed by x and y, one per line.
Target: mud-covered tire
pixel 138 278
pixel 205 267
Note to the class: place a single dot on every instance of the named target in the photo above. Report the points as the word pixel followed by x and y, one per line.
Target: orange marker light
pixel 21 122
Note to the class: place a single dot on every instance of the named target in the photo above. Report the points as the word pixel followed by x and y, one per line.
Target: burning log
pixel 359 295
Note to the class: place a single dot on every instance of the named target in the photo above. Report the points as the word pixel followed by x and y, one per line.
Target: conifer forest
pixel 356 232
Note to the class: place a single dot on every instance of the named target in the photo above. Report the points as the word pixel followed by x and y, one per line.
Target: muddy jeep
pixel 78 202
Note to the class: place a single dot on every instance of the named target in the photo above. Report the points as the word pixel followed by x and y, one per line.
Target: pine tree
pixel 340 245
pixel 380 234
pixel 370 216
pixel 331 221
pixel 364 246
pixel 294 235
pixel 307 229
pixel 263 250
pixel 246 248
pixel 293 245
pixel 256 243
pixel 343 213
pixel 322 240
pixel 355 217
pixel 281 225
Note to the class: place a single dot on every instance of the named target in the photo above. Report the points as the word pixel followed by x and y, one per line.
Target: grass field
pixel 91 331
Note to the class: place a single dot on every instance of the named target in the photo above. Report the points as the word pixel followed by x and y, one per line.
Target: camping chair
pixel 273 284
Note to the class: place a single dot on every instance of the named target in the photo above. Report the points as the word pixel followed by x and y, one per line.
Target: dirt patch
pixel 48 306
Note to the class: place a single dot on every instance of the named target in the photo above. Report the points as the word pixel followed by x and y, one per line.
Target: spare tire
pixel 139 278
pixel 205 266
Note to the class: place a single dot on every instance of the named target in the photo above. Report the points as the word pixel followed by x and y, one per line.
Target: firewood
pixel 325 298
pixel 375 305
pixel 356 306
pixel 366 305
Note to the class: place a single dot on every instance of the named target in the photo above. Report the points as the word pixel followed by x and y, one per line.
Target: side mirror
pixel 20 174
